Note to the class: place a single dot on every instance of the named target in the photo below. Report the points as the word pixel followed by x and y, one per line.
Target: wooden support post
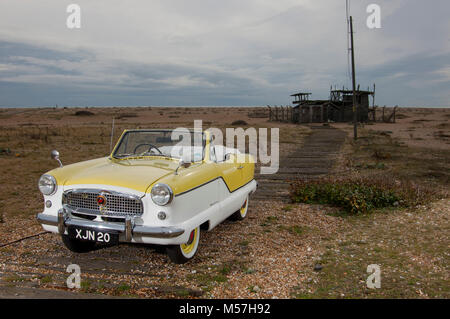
pixel 310 114
pixel 300 113
pixel 321 113
pixel 395 108
pixel 373 96
pixel 384 108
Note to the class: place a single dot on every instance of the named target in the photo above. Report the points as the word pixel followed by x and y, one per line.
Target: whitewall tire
pixel 180 254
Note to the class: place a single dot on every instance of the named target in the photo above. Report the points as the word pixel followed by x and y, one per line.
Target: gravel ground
pixel 259 257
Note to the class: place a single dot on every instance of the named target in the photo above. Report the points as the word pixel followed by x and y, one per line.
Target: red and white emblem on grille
pixel 101 200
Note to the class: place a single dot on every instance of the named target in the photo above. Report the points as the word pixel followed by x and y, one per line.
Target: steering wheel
pixel 151 147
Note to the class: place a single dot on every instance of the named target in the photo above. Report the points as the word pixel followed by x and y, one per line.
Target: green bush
pixel 359 195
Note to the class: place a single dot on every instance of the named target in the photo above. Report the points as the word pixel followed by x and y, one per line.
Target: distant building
pixel 339 108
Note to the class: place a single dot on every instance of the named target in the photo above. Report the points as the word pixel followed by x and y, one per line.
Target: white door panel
pixel 187 205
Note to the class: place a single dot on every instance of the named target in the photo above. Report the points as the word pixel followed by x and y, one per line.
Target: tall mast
pixel 355 107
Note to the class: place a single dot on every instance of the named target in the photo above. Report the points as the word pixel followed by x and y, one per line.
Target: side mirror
pixel 228 156
pixel 185 162
pixel 55 155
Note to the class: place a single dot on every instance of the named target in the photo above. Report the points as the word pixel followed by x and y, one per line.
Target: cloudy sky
pixel 211 52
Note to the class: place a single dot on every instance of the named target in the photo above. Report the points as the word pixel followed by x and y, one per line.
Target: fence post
pixel 395 108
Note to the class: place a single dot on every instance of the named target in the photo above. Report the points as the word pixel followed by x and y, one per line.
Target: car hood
pixel 138 174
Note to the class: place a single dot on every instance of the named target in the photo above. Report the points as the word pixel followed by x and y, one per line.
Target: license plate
pixel 87 234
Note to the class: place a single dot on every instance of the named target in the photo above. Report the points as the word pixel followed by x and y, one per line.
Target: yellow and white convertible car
pixel 157 187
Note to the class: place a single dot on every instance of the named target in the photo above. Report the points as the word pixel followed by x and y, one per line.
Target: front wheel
pixel 78 246
pixel 181 254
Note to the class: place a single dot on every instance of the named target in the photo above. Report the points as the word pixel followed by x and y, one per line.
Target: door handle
pixel 240 167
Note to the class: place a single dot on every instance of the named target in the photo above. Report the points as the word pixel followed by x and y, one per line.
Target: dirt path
pixel 313 159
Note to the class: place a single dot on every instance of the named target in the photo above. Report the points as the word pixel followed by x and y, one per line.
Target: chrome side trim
pixel 157 232
pixel 47 219
pixel 129 228
pixel 214 179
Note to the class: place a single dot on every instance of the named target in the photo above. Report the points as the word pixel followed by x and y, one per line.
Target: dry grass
pixel 409 244
pixel 428 167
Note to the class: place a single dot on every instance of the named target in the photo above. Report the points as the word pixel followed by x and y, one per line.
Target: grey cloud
pixel 218 53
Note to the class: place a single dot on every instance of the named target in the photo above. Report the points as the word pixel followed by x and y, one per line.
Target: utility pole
pixel 355 108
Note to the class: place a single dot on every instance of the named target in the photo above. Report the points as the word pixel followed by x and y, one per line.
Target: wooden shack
pixel 339 108
pixel 341 105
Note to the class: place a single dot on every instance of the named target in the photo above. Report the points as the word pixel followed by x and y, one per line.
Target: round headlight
pixel 47 185
pixel 162 194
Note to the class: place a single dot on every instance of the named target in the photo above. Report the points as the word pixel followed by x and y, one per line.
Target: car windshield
pixel 177 144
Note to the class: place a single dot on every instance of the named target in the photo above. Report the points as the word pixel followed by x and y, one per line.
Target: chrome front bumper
pixel 129 229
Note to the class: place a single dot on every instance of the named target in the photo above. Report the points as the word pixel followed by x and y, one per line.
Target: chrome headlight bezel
pixel 47 185
pixel 161 194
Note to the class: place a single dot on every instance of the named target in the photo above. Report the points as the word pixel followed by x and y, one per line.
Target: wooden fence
pixel 386 116
pixel 281 113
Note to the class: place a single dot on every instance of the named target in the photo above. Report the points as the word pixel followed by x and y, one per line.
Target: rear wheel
pixel 242 212
pixel 180 254
pixel 78 246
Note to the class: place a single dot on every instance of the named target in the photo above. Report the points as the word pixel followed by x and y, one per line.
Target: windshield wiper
pixel 122 156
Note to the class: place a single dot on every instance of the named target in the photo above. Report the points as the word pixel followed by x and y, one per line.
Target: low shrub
pixel 126 115
pixel 83 113
pixel 239 122
pixel 358 195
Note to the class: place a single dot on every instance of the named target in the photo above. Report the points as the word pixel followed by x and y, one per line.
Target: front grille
pixel 117 204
